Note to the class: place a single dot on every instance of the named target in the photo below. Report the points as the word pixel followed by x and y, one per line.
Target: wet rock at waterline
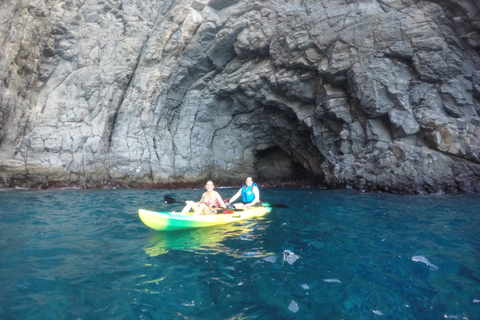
pixel 376 95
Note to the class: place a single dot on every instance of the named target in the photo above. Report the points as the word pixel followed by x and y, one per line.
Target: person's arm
pixel 256 193
pixel 220 200
pixel 235 197
pixel 201 199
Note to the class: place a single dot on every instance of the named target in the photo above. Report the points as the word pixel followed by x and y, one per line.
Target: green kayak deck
pixel 176 221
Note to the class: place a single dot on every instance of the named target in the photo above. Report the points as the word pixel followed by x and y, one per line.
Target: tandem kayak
pixel 172 221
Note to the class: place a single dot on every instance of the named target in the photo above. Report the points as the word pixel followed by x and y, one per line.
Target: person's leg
pixel 190 205
pixel 199 210
pixel 207 210
pixel 203 209
pixel 240 206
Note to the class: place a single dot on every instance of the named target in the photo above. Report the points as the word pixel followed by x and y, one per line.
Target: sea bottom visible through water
pixel 334 254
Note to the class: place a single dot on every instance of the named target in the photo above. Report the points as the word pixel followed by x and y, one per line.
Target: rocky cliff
pixel 372 94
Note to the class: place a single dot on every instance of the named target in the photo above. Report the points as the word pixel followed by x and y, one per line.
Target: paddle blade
pixel 278 205
pixel 169 200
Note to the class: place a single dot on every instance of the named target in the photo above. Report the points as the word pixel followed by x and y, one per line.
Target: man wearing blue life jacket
pixel 250 195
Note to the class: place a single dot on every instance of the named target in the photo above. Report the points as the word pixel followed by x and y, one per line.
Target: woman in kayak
pixel 250 195
pixel 208 204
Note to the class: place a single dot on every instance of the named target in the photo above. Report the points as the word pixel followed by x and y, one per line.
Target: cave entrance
pixel 274 164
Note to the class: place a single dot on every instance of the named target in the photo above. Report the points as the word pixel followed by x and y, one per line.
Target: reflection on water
pixel 209 240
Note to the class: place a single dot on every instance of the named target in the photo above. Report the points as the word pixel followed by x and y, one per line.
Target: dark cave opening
pixel 275 164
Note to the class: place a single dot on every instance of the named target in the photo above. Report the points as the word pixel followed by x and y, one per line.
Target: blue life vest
pixel 247 193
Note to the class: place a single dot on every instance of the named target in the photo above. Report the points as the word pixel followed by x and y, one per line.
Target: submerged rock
pixel 376 95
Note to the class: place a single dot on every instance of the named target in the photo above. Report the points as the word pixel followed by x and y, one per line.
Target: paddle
pixel 277 205
pixel 170 200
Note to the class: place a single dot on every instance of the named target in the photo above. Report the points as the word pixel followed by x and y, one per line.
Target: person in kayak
pixel 250 195
pixel 210 202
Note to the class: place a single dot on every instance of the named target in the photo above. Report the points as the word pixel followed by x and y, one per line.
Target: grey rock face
pixel 376 95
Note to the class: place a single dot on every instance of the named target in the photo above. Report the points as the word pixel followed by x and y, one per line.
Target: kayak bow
pixel 171 221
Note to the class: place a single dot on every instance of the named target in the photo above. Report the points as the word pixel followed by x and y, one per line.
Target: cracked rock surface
pixel 376 95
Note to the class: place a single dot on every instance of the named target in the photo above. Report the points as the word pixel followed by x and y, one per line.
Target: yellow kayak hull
pixel 169 221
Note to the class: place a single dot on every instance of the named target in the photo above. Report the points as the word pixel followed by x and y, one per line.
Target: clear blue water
pixel 335 254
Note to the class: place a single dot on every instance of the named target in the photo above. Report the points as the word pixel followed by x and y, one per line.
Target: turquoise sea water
pixel 335 254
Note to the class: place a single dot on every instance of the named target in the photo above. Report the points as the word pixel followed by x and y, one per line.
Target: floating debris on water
pixel 290 257
pixel 293 306
pixel 188 303
pixel 422 259
pixel 271 259
pixel 332 280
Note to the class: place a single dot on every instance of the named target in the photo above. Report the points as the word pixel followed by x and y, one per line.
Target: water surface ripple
pixel 335 254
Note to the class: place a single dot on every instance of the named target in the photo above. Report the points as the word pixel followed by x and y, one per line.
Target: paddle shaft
pixel 170 200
